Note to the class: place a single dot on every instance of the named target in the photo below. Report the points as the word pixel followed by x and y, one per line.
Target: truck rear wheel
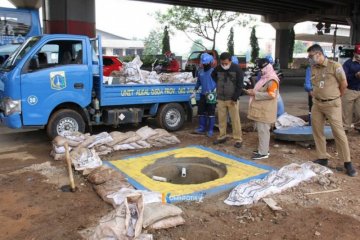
pixel 65 120
pixel 171 116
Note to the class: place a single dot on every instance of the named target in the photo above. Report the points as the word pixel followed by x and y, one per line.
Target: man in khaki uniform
pixel 329 83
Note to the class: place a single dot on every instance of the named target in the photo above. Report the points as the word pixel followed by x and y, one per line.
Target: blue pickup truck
pixel 56 81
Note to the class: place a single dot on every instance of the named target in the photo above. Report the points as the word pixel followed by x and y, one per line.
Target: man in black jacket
pixel 229 79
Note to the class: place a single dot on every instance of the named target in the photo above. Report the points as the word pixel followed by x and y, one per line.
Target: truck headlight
pixel 11 106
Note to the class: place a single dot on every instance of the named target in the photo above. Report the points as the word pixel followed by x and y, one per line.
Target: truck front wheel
pixel 65 120
pixel 171 116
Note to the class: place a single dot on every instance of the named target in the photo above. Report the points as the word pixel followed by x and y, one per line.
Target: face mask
pixel 207 67
pixel 225 67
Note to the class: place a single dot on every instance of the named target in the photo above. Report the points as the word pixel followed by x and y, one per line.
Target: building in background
pixel 113 45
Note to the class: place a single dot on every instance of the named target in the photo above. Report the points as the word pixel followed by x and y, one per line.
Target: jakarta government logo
pixel 58 80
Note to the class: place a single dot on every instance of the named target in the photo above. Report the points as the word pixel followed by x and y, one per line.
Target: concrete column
pixel 282 41
pixel 69 16
pixel 354 22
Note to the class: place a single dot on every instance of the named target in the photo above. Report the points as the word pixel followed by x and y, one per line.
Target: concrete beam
pixel 27 3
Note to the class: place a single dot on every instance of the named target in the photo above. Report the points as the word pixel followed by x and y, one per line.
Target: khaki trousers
pixel 233 108
pixel 263 130
pixel 330 111
pixel 351 103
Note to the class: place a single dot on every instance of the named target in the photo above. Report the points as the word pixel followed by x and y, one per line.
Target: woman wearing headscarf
pixel 263 106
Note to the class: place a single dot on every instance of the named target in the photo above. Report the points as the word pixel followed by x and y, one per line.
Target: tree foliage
pixel 299 47
pixel 230 43
pixel 205 23
pixel 153 43
pixel 166 41
pixel 254 45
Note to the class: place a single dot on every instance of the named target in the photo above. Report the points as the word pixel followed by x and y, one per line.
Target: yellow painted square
pixel 237 170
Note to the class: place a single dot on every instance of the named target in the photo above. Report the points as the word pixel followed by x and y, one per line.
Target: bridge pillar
pixel 282 41
pixel 69 16
pixel 354 22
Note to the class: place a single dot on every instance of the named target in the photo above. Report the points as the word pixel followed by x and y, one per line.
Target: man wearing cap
pixel 351 98
pixel 229 80
pixel 263 106
pixel 329 84
pixel 207 103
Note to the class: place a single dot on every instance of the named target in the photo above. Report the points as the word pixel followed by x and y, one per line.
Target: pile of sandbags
pixel 159 215
pixel 180 77
pixel 105 143
pixel 132 74
pixel 135 210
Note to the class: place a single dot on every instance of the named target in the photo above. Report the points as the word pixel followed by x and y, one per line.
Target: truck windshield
pixel 195 55
pixel 16 56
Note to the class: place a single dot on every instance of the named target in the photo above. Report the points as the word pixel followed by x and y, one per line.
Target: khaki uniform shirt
pixel 326 79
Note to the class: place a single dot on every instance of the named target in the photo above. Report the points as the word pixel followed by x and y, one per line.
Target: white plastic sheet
pixel 286 120
pixel 276 182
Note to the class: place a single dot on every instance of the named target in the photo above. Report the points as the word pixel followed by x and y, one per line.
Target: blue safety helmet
pixel 235 60
pixel 206 58
pixel 270 59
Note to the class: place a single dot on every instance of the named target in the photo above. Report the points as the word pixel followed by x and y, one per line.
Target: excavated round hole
pixel 198 170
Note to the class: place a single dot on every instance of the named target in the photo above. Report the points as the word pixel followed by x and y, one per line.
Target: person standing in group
pixel 351 98
pixel 207 103
pixel 229 79
pixel 329 84
pixel 263 106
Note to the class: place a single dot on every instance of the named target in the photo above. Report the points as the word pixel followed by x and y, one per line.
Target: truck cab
pixel 56 81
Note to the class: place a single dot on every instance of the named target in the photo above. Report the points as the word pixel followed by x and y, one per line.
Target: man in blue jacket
pixel 351 98
pixel 207 103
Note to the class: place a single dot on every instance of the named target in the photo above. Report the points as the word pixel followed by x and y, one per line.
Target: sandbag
pixel 60 141
pixel 57 156
pixel 123 147
pixel 98 139
pixel 155 212
pixel 167 223
pixel 124 223
pixel 148 197
pixel 60 149
pixel 146 132
pixel 134 215
pixel 111 226
pixel 83 158
pixel 111 186
pixel 102 174
pixel 117 138
pixel 74 136
pixel 144 144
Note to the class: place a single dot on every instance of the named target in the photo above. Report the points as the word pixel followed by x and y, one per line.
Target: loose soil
pixel 32 206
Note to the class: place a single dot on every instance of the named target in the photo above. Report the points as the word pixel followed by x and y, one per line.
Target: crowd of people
pixel 334 91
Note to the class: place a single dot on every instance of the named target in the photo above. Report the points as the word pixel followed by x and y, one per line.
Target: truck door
pixel 55 74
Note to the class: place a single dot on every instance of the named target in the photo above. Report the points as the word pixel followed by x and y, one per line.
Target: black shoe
pixel 258 156
pixel 238 144
pixel 219 141
pixel 350 170
pixel 322 162
pixel 257 152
